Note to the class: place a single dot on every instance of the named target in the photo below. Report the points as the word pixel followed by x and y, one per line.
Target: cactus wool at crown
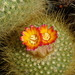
pixel 48 46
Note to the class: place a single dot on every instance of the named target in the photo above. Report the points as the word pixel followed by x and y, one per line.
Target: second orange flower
pixel 48 35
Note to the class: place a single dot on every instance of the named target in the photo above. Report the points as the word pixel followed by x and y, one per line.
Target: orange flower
pixel 48 35
pixel 31 37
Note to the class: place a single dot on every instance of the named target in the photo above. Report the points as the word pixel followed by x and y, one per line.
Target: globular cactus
pixel 20 61
pixel 22 8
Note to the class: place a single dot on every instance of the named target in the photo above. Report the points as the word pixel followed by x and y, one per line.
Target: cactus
pixel 22 8
pixel 19 61
pixel 22 62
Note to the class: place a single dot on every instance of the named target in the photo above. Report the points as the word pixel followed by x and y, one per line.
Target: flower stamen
pixel 33 39
pixel 46 36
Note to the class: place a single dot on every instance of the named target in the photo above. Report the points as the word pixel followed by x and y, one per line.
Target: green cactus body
pixel 22 62
pixel 57 62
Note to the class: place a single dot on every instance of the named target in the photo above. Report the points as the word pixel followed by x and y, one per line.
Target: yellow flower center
pixel 46 36
pixel 33 39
